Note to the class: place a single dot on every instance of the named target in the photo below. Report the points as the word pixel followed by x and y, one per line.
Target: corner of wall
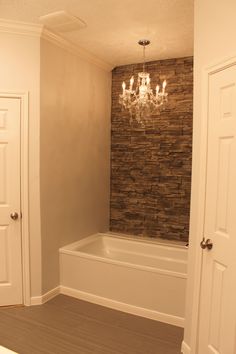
pixel 74 151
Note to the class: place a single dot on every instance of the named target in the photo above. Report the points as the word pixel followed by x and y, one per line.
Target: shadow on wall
pixel 151 166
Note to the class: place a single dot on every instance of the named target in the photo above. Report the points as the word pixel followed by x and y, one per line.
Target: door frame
pixel 199 189
pixel 24 186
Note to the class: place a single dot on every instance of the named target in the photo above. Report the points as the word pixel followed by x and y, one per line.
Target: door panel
pixel 216 298
pixel 4 258
pixel 3 152
pixel 217 326
pixel 223 171
pixel 10 230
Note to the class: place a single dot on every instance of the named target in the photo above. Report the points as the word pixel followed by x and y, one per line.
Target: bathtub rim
pixel 139 239
pixel 69 250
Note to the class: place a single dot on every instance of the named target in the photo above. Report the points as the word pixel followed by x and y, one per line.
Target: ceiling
pixel 115 26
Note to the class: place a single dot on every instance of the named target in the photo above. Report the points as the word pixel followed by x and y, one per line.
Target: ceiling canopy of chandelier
pixel 141 101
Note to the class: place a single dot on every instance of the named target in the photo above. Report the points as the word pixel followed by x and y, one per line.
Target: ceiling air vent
pixel 61 21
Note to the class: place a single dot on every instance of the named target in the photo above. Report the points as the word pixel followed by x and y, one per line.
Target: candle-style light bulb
pixel 148 80
pixel 157 89
pixel 123 86
pixel 164 85
pixel 131 82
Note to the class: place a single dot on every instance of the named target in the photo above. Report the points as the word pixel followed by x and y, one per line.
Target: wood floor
pixel 66 326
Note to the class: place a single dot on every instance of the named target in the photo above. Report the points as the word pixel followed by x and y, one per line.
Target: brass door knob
pixel 206 244
pixel 14 216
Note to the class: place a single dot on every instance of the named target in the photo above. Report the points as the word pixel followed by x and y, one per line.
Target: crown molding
pixel 75 49
pixel 37 30
pixel 17 27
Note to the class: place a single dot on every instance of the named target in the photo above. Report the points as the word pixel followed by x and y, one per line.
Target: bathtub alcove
pixel 145 278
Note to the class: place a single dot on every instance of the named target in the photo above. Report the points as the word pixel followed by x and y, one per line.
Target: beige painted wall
pixel 19 71
pixel 215 29
pixel 74 153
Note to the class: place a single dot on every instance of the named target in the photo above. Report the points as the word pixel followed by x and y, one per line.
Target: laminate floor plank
pixel 66 325
pixel 121 319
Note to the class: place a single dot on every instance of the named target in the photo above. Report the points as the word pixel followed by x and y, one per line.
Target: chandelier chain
pixel 144 58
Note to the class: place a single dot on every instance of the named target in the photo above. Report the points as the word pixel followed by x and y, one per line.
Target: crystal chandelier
pixel 142 102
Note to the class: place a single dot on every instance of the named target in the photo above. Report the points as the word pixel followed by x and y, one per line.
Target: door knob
pixel 206 244
pixel 14 216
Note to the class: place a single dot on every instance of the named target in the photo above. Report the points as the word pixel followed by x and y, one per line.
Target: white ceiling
pixel 115 26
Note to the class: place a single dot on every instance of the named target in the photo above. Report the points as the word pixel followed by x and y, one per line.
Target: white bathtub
pixel 140 277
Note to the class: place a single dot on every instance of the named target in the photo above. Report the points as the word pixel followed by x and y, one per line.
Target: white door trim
pixel 200 190
pixel 23 96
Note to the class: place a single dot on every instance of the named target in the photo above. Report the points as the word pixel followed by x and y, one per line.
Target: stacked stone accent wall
pixel 151 166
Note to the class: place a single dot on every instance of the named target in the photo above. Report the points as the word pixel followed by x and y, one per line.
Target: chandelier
pixel 141 101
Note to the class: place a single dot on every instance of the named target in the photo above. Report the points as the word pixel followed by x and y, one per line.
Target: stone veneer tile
pixel 151 166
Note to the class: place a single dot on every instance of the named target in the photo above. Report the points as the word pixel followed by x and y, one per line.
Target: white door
pixel 10 221
pixel 217 326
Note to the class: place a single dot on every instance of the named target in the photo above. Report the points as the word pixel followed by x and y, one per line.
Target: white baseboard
pixel 120 306
pixel 39 300
pixel 116 305
pixel 185 349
